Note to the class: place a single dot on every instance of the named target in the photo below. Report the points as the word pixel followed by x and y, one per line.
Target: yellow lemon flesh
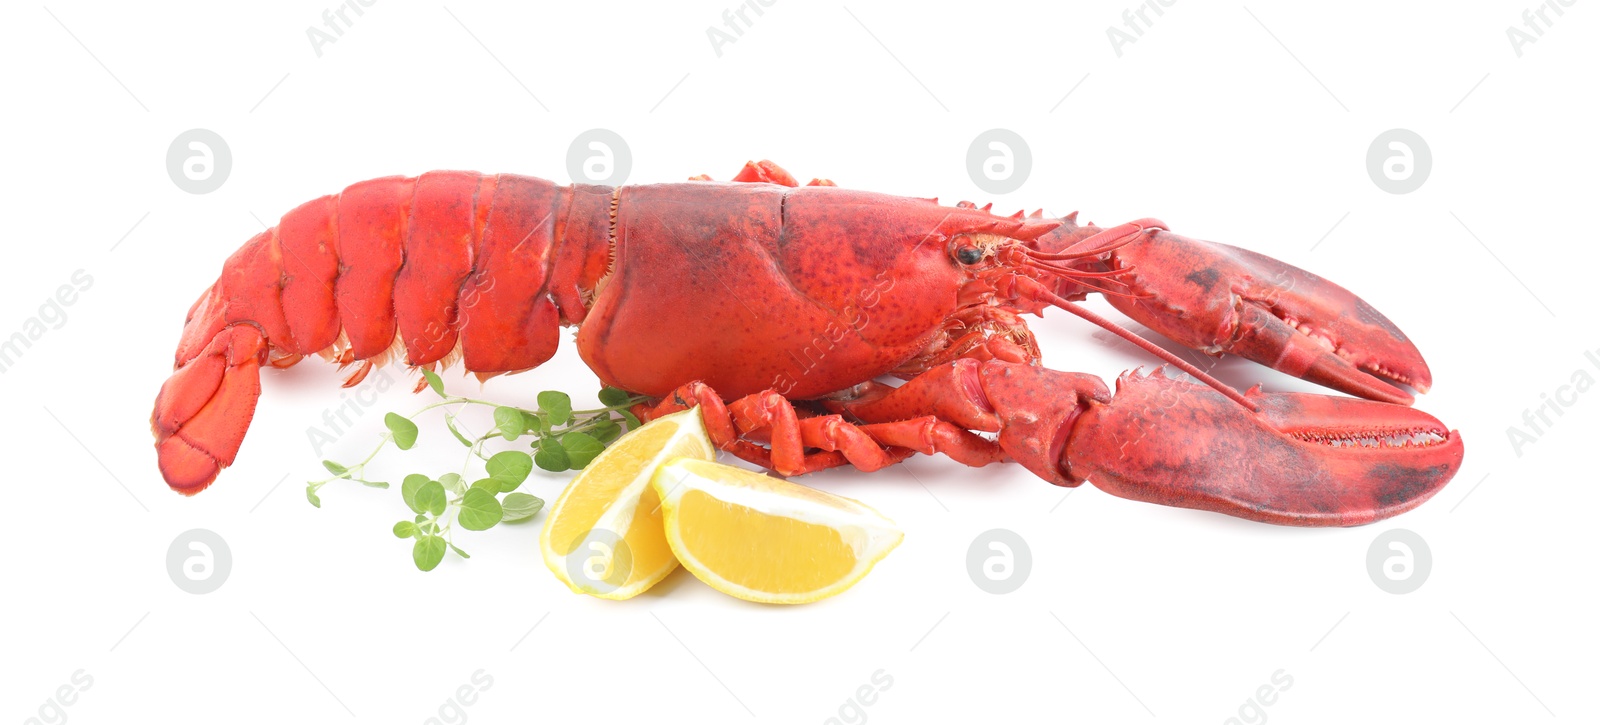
pixel 765 539
pixel 604 534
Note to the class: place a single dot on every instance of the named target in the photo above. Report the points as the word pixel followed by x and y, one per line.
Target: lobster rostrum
pixel 779 309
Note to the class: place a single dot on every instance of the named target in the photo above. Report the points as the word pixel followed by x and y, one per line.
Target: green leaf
pixel 404 431
pixel 557 405
pixel 431 498
pixel 510 422
pixel 458 551
pixel 427 552
pixel 551 456
pixel 581 448
pixel 434 382
pixel 452 483
pixel 510 468
pixel 492 485
pixel 633 422
pixel 450 422
pixel 520 506
pixel 374 484
pixel 614 397
pixel 311 495
pixel 479 510
pixel 408 491
pixel 335 468
pixel 605 431
pixel 405 529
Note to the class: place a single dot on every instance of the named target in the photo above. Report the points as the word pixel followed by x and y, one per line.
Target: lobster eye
pixel 969 255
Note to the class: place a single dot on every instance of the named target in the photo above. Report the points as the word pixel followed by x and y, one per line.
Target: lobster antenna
pixel 1073 252
pixel 1079 277
pixel 1146 345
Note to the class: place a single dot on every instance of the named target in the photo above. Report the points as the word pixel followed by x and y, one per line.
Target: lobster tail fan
pixel 205 407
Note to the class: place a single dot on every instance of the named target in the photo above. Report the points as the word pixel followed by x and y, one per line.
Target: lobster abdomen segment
pixel 438 259
pixel 372 223
pixel 309 238
pixel 446 263
pixel 508 322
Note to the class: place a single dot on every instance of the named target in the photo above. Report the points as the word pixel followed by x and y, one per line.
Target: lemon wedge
pixel 765 539
pixel 604 534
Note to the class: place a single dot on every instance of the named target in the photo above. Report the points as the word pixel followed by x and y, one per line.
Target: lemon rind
pixel 875 535
pixel 613 519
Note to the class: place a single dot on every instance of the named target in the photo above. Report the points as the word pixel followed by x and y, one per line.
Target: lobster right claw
pixel 1302 460
pixel 1216 298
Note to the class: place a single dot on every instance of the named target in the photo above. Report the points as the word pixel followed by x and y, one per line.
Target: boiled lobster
pixel 779 309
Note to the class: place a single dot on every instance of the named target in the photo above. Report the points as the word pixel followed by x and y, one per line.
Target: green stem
pixel 590 424
pixel 593 417
pixel 631 402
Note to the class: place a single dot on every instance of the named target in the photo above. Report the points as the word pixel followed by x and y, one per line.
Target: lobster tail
pixel 445 266
pixel 203 410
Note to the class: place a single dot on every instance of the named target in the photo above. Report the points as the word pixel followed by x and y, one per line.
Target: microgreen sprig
pixel 561 439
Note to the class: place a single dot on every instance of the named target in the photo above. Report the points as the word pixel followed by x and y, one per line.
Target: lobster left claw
pixel 1302 460
pixel 1216 298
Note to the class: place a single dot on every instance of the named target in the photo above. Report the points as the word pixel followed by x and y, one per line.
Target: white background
pixel 1131 613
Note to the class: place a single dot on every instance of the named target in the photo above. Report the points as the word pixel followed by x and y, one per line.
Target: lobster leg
pixel 768 417
pixel 1221 299
pixel 766 172
pixel 1303 459
pixel 780 428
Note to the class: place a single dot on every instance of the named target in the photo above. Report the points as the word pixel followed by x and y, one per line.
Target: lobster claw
pixel 1302 460
pixel 1216 298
